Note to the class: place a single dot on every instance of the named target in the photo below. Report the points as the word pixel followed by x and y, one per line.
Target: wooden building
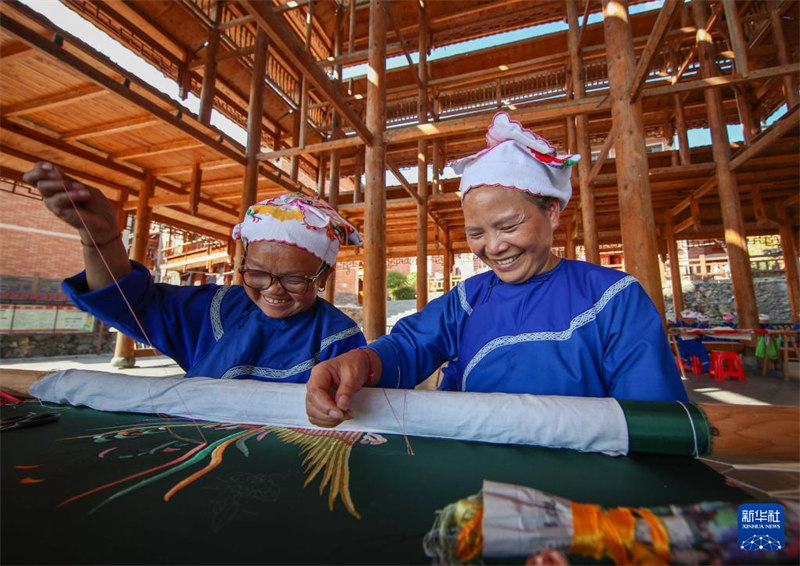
pixel 276 68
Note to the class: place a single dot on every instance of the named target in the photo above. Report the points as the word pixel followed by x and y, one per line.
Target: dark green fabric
pixel 253 508
pixel 666 428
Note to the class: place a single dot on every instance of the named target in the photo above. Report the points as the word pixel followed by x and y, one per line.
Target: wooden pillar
pixel 674 266
pixel 122 214
pixel 789 81
pixel 738 43
pixel 569 240
pixel 374 322
pixel 790 262
pixel 124 349
pixel 255 114
pixel 569 130
pixel 447 269
pixel 209 88
pixel 683 135
pixel 422 165
pixel 636 209
pixel 301 123
pixel 590 242
pixel 436 166
pixel 294 160
pixel 335 160
pixel 438 152
pixel 358 170
pixel 322 169
pixel 750 125
pixel 735 236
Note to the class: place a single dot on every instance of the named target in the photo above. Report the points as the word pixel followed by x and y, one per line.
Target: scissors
pixel 31 419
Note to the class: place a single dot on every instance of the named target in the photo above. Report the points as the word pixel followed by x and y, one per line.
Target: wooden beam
pixel 351 141
pixel 126 90
pixel 736 37
pixel 603 155
pixel 202 61
pixel 787 123
pixel 295 52
pixel 213 165
pixel 653 43
pixel 149 151
pixel 403 44
pixel 53 101
pixel 789 82
pixel 402 179
pixel 194 192
pixel 722 80
pixel 15 51
pixel 71 150
pixel 110 128
pixel 478 122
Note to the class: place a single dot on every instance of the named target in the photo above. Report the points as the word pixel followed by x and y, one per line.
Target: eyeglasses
pixel 261 280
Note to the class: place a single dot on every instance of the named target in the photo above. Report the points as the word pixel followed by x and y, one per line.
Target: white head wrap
pixel 703 317
pixel 763 318
pixel 519 159
pixel 688 313
pixel 299 220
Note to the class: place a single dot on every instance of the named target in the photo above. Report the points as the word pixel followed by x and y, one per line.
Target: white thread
pixel 694 433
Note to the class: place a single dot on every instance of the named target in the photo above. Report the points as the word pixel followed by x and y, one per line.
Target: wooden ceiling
pixel 62 100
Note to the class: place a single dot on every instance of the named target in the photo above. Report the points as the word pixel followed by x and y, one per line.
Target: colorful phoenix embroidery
pixel 326 452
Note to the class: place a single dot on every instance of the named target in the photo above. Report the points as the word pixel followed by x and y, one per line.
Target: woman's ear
pixel 323 279
pixel 553 212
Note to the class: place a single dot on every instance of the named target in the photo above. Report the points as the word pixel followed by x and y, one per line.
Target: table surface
pixel 90 488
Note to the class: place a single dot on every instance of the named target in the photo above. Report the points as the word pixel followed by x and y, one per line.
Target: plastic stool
pixel 697 367
pixel 712 362
pixel 728 364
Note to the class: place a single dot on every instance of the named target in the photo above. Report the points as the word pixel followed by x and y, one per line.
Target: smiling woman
pixel 535 323
pixel 275 328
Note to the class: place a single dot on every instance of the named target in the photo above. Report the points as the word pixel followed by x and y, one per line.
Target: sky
pixel 74 24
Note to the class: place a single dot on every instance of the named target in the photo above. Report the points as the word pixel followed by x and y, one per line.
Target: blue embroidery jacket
pixel 217 331
pixel 579 330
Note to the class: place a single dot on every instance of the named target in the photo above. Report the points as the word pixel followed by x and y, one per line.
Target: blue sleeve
pixel 172 317
pixel 421 342
pixel 637 362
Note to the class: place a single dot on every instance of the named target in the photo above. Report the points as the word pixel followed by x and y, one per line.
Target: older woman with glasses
pixel 273 328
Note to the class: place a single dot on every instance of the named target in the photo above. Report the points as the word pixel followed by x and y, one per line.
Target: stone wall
pixel 61 345
pixel 716 297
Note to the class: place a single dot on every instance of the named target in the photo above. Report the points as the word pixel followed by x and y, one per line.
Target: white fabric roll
pixel 579 423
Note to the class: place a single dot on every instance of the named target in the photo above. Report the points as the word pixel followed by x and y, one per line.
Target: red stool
pixel 728 364
pixel 712 363
pixel 697 367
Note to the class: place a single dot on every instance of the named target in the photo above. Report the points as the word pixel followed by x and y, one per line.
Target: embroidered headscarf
pixel 299 220
pixel 688 313
pixel 727 316
pixel 516 157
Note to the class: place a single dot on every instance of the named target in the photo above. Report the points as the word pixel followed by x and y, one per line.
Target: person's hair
pixel 540 201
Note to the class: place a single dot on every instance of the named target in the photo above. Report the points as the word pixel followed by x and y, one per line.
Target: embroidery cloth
pixel 585 424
